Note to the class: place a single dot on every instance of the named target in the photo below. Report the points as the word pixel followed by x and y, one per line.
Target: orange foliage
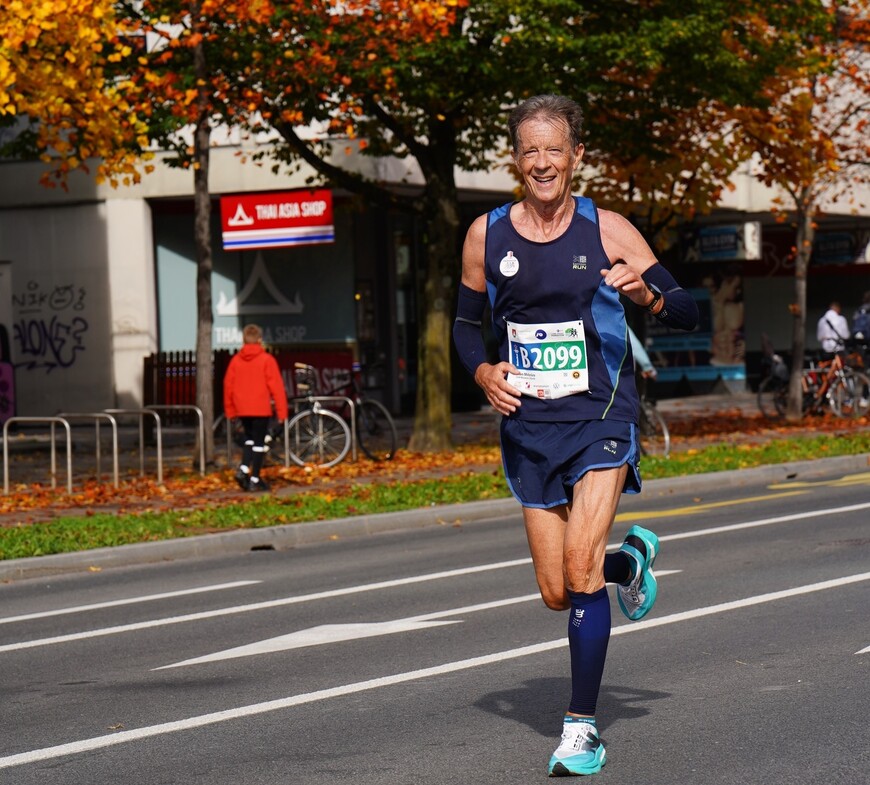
pixel 59 61
pixel 811 138
pixel 52 70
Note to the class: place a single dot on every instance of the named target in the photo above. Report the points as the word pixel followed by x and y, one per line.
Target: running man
pixel 552 267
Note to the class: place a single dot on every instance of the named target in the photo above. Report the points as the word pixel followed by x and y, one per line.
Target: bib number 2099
pixel 548 356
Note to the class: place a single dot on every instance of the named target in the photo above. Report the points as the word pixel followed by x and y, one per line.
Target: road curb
pixel 293 535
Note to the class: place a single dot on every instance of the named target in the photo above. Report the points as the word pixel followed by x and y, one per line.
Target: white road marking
pixel 313 636
pixel 336 633
pixel 128 601
pixel 100 742
pixel 734 527
pixel 863 651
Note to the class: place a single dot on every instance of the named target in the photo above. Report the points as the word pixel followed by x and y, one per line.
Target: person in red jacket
pixel 252 387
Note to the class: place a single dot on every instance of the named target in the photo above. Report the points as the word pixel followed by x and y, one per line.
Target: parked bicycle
pixel 837 385
pixel 655 438
pixel 320 434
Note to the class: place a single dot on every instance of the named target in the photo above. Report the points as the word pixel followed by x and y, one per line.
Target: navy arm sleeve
pixel 680 309
pixel 467 336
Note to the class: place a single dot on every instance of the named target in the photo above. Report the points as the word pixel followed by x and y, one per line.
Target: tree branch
pixel 353 182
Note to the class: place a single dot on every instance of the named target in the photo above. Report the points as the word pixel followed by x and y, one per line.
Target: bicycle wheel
pixel 850 395
pixel 773 398
pixel 655 439
pixel 319 437
pixel 376 430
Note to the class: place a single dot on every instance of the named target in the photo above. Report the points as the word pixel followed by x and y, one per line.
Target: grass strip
pixel 98 530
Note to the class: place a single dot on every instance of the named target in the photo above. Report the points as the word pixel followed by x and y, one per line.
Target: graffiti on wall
pixel 49 329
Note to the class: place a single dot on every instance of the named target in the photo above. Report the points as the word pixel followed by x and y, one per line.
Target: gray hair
pixel 547 107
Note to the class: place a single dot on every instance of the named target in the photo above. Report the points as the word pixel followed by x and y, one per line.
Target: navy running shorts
pixel 543 460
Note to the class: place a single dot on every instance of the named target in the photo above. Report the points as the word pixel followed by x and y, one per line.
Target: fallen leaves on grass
pixel 182 488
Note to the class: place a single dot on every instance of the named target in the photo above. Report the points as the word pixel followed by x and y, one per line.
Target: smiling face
pixel 545 158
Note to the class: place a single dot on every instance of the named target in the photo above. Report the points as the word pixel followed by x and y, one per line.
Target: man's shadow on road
pixel 538 703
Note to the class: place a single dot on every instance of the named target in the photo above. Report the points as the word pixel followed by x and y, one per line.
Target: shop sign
pixel 728 242
pixel 835 248
pixel 276 219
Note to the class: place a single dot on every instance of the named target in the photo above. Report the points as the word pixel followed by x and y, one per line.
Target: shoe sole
pixel 559 769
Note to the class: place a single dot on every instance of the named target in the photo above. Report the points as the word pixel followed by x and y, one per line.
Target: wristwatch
pixel 657 295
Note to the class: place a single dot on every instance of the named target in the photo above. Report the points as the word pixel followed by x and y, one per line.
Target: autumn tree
pixel 202 66
pixel 662 146
pixel 187 58
pixel 811 143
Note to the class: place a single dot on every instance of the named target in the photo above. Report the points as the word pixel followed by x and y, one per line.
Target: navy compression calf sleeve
pixel 680 309
pixel 588 636
pixel 466 328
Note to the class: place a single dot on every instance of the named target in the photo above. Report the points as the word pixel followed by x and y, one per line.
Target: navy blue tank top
pixel 558 281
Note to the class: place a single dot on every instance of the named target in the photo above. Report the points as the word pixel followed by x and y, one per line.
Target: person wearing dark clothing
pixel 553 269
pixel 253 391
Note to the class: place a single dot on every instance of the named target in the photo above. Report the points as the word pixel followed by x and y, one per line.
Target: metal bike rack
pixel 323 399
pixel 220 419
pixel 142 413
pixel 201 427
pixel 53 421
pixel 96 417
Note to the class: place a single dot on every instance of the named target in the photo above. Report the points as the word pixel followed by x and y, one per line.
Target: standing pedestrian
pixel 832 330
pixel 253 391
pixel 553 268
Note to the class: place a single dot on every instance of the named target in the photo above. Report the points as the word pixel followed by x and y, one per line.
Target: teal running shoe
pixel 579 752
pixel 638 596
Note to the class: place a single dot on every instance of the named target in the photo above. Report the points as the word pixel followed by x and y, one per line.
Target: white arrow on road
pixel 336 633
pixel 314 636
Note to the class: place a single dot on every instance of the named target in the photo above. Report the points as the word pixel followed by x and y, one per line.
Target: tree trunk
pixel 432 418
pixel 804 247
pixel 202 239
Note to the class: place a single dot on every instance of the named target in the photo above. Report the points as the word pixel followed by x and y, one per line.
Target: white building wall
pixel 133 301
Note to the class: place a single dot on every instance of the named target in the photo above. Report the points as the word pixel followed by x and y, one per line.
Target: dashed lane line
pixel 126 601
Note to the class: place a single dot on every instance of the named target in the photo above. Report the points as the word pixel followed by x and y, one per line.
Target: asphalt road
pixel 424 656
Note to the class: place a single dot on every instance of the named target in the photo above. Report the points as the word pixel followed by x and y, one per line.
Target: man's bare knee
pixel 555 599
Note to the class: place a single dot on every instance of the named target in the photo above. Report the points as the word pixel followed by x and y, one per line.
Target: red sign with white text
pixel 276 219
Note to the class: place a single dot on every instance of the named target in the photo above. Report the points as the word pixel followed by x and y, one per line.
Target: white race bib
pixel 551 358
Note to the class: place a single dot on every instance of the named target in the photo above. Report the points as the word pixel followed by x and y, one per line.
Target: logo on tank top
pixel 579 263
pixel 509 265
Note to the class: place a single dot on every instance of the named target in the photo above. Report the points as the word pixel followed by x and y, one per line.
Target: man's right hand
pixel 501 394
